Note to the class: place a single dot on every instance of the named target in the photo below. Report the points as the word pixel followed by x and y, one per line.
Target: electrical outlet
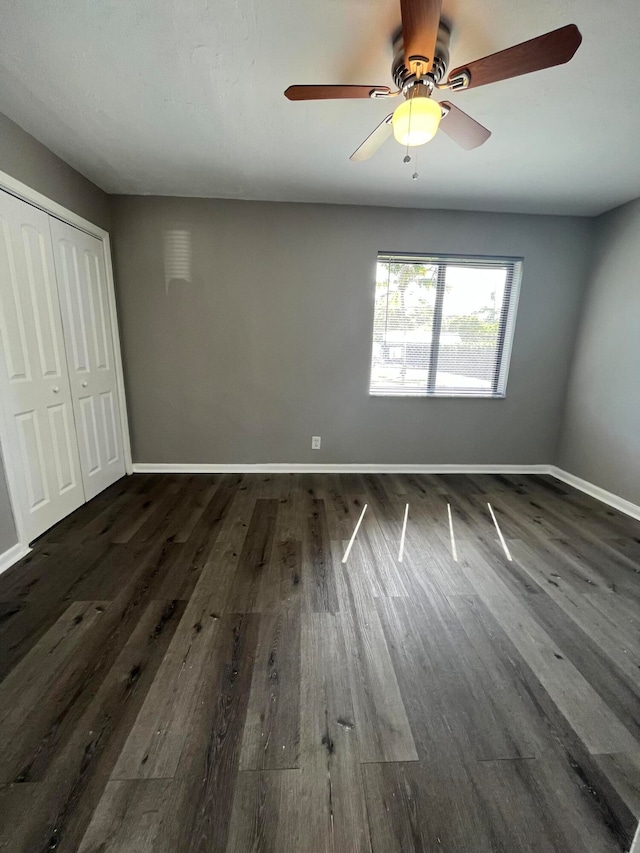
pixel 315 442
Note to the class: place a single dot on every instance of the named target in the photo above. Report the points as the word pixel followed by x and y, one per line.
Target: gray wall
pixel 600 439
pixel 27 160
pixel 24 158
pixel 8 535
pixel 270 341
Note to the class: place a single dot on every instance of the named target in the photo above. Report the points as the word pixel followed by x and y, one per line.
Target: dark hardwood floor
pixel 187 665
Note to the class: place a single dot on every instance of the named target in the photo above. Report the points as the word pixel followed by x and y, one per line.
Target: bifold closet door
pixel 86 319
pixel 34 380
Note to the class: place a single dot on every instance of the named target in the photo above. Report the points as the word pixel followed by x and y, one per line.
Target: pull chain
pixel 407 157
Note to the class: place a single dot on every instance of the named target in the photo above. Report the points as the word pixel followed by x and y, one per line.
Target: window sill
pixel 403 395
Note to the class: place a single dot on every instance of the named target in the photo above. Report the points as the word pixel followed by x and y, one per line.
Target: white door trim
pixel 12 555
pixel 17 188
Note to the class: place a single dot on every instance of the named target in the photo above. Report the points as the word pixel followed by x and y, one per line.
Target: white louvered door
pixel 34 380
pixel 86 319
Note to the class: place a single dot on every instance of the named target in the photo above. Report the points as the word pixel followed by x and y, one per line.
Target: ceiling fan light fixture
pixel 416 121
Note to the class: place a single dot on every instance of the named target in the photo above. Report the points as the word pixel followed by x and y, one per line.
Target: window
pixel 443 326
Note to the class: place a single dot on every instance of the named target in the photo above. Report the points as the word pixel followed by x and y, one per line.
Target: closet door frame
pixel 22 191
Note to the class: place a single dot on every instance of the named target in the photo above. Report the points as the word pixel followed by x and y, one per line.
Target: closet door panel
pixel 34 380
pixel 87 324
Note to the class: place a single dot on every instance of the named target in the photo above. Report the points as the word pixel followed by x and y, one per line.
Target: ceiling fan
pixel 421 64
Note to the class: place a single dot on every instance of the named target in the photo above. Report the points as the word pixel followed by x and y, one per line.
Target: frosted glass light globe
pixel 416 121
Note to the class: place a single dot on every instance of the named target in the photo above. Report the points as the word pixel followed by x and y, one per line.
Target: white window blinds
pixel 443 326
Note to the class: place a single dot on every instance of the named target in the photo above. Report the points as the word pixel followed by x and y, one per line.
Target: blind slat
pixel 443 325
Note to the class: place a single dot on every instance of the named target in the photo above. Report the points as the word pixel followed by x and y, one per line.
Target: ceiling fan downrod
pixel 404 77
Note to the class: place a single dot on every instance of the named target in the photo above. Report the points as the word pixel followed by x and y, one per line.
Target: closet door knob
pixel 55 389
pixel 84 384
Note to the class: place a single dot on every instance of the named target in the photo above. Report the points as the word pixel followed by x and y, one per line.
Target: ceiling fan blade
pixel 463 129
pixel 318 93
pixel 420 22
pixel 554 48
pixel 374 141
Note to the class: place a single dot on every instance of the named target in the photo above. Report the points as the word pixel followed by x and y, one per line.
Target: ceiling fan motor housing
pixel 404 78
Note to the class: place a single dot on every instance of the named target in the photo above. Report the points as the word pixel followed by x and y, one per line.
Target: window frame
pixel 513 284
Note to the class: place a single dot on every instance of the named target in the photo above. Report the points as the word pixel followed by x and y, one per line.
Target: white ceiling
pixel 184 97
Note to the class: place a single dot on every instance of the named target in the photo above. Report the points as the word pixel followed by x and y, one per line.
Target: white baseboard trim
pixel 17 552
pixel 330 468
pixel 600 494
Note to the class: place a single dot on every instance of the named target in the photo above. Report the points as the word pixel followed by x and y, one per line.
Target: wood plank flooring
pixel 186 664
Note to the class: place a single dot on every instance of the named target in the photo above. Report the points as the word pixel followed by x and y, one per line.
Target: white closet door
pixel 86 319
pixel 34 381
